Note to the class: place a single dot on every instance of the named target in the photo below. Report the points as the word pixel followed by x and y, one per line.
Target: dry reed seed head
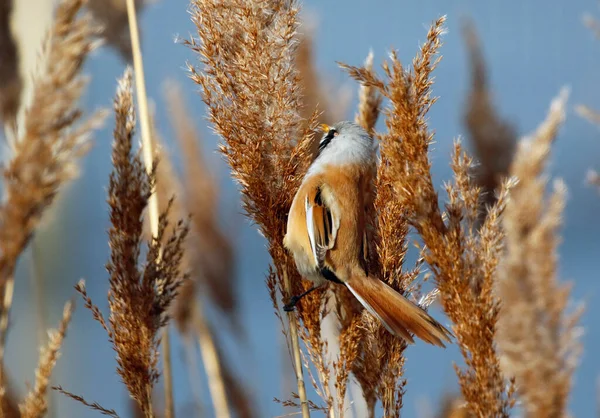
pixel 461 263
pixel 35 404
pixel 493 139
pixel 317 95
pixel 537 336
pixel 369 101
pixel 139 297
pixel 258 119
pixel 210 250
pixel 50 141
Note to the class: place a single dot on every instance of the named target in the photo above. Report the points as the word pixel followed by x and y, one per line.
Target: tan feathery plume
pixel 46 155
pixel 369 102
pixel 538 339
pixel 238 44
pixel 205 268
pixel 35 404
pixel 139 298
pixel 463 262
pixel 210 250
pixel 493 140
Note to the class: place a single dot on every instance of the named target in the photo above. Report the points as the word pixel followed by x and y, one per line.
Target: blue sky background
pixel 531 51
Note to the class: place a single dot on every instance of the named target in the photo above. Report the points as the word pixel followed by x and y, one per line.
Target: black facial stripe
pixel 326 139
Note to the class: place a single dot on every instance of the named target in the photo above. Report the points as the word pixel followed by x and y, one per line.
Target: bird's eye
pixel 327 139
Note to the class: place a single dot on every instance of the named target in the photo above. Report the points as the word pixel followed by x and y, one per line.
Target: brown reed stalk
pixel 52 141
pixel 35 404
pixel 463 262
pixel 257 117
pixel 153 208
pixel 493 139
pixel 111 15
pixel 538 338
pixel 10 80
pixel 139 297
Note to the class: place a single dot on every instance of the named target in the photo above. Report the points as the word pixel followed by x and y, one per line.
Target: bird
pixel 326 232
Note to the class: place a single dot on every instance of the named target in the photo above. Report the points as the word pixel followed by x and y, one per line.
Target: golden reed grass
pixel 493 139
pixel 139 297
pixel 48 146
pixel 496 278
pixel 208 257
pixel 537 336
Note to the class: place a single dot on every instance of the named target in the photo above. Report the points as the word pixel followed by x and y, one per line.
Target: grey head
pixel 344 133
pixel 343 143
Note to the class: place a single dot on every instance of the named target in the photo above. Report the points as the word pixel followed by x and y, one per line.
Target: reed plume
pixel 139 297
pixel 238 44
pixel 369 102
pixel 208 257
pixel 493 139
pixel 210 249
pixel 538 338
pixel 51 141
pixel 35 404
pixel 463 262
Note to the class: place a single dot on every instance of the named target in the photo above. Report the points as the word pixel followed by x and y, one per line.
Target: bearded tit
pixel 326 232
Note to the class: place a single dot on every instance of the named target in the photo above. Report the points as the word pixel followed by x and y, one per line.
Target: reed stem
pixel 296 352
pixel 212 365
pixel 148 156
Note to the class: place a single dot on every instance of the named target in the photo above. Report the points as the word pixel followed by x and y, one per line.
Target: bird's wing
pixel 322 222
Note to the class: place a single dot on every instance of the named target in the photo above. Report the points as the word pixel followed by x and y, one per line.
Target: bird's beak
pixel 325 127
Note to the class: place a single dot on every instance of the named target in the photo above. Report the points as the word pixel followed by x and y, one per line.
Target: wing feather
pixel 321 223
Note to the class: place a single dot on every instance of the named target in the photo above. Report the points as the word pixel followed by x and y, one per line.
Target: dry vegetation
pixel 491 247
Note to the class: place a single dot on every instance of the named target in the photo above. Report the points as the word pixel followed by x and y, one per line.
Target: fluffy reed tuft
pixel 50 142
pixel 538 339
pixel 210 251
pixel 369 102
pixel 35 404
pixel 208 256
pixel 493 139
pixel 462 261
pixel 239 43
pixel 139 298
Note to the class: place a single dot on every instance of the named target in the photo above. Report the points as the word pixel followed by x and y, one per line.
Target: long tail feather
pixel 400 316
